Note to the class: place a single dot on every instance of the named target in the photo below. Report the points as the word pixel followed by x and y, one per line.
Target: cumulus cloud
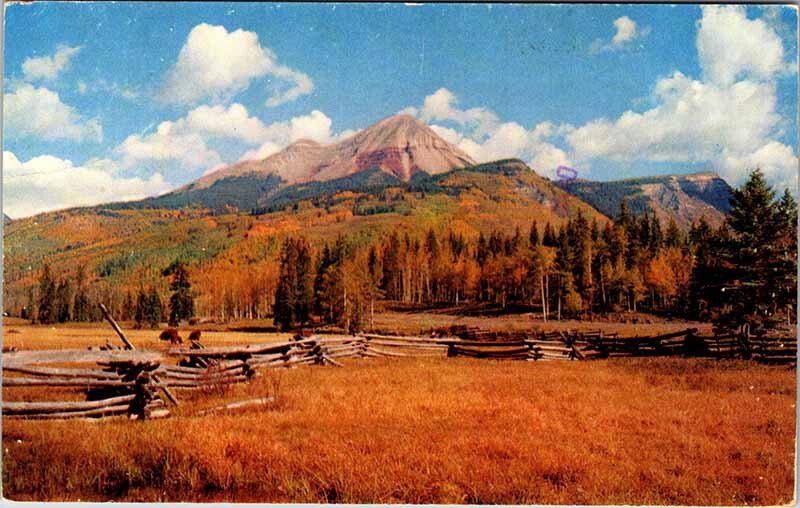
pixel 187 139
pixel 315 126
pixel 108 87
pixel 626 32
pixel 168 143
pixel 729 119
pixel 216 64
pixel 48 183
pixel 442 106
pixel 731 46
pixel 49 67
pixel 481 134
pixel 39 112
pixel 693 121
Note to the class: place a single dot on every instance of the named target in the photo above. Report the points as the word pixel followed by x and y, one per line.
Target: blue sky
pixel 109 101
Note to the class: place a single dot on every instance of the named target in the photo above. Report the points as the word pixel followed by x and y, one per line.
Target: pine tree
pixel 785 274
pixel 155 309
pixel 47 297
pixel 325 262
pixel 285 297
pixel 656 235
pixel 294 295
pixel 549 239
pixel 29 310
pixel 304 284
pixel 749 294
pixel 533 237
pixel 181 302
pixel 80 306
pixel 673 237
pixel 128 308
pixel 63 301
pixel 140 316
pixel 391 283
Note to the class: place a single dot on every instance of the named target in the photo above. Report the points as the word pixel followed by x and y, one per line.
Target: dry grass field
pixel 619 431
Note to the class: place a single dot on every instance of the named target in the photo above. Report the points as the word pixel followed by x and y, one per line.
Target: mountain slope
pixel 399 145
pixel 125 248
pixel 684 197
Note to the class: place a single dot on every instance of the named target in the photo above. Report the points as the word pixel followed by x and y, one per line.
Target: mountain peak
pixel 303 142
pixel 400 145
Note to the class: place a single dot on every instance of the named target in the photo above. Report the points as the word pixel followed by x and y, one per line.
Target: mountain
pixel 399 147
pixel 6 219
pixel 684 197
pixel 122 248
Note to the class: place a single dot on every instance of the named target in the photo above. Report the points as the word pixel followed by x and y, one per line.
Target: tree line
pixel 63 300
pixel 742 272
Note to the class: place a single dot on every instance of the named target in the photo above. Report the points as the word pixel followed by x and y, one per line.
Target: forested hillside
pixel 232 255
pixel 685 198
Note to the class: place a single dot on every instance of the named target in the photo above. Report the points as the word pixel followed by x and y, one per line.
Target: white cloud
pixel 216 64
pixel 39 112
pixel 442 106
pixel 168 143
pixel 262 152
pixel 481 135
pixel 48 183
pixel 291 84
pixel 626 32
pixel 186 140
pixel 49 67
pixel 730 46
pixel 315 126
pixel 103 86
pixel 728 120
pixel 776 160
pixel 692 122
pixel 231 122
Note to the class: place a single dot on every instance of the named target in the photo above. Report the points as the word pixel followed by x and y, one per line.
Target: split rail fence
pixel 140 384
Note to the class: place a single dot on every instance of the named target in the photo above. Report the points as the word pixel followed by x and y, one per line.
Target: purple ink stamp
pixel 566 174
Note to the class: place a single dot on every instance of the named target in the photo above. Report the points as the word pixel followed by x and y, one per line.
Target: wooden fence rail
pixel 128 382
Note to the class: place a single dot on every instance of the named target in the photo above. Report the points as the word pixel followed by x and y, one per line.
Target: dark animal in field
pixel 171 334
pixel 194 336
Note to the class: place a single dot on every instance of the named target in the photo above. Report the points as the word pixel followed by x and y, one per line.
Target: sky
pixel 117 101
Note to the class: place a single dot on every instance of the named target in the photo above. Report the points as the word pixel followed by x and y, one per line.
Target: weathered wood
pixel 83 382
pixel 61 372
pixel 328 359
pixel 438 340
pixel 103 411
pixel 165 390
pixel 20 408
pixel 407 345
pixel 183 383
pixel 237 405
pixel 115 326
pixel 387 353
pixel 40 356
pixel 233 351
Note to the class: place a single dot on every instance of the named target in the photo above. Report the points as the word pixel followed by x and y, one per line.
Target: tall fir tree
pixel 81 309
pixel 155 309
pixel 47 297
pixel 181 302
pixel 750 294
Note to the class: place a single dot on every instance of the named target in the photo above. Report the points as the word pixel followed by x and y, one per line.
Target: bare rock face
pixel 684 198
pixel 399 145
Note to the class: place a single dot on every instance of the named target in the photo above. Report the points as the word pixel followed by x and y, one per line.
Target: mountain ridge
pixel 400 145
pixel 684 197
